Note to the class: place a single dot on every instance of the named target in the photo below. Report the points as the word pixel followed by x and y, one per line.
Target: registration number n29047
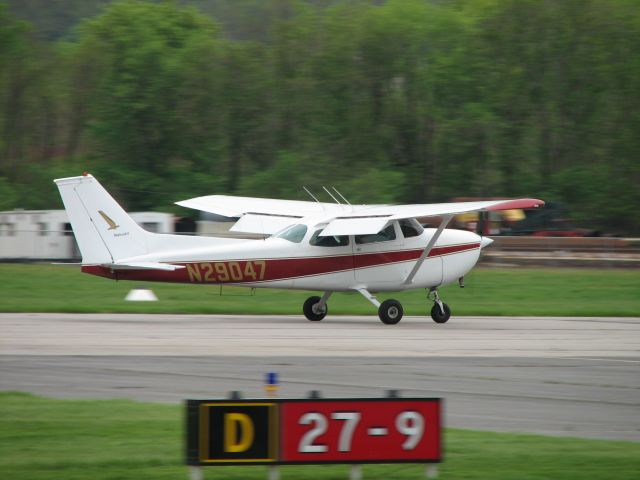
pixel 214 272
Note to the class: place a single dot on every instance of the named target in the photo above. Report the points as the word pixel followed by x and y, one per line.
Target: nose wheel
pixel 440 312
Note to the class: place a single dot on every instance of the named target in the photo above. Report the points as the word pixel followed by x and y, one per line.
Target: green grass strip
pixel 489 291
pixel 46 439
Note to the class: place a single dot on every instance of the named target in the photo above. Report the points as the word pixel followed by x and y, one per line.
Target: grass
pixel 44 439
pixel 489 291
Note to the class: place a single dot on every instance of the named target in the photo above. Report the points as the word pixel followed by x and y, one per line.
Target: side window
pixel 318 241
pixel 410 228
pixel 151 226
pixel 7 229
pixel 385 235
pixel 43 229
pixel 67 231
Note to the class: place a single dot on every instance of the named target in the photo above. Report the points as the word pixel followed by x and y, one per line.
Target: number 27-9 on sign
pixel 360 430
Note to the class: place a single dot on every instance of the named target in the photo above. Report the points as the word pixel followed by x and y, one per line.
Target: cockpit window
pixel 294 233
pixel 385 235
pixel 331 241
pixel 410 227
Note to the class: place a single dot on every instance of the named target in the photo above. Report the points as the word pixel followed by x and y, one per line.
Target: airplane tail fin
pixel 104 231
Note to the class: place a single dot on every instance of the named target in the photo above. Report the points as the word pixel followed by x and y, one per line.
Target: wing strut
pixel 445 221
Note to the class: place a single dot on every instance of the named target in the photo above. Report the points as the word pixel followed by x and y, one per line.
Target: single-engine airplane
pixel 331 247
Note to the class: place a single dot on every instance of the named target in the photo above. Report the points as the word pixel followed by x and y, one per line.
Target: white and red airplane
pixel 331 247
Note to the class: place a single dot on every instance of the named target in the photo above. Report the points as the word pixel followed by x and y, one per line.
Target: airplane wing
pixel 374 218
pixel 260 215
pixel 267 216
pixel 231 206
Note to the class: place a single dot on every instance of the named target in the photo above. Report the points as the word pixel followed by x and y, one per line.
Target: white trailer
pixel 47 234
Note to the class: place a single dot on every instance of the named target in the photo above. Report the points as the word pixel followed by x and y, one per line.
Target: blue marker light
pixel 272 378
pixel 271 383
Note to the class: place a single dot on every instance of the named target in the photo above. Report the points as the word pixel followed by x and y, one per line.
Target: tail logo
pixel 112 224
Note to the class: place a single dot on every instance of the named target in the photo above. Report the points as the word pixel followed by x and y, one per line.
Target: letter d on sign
pixel 238 432
pixel 235 431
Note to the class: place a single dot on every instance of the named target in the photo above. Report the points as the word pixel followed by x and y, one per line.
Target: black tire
pixel 437 315
pixel 307 309
pixel 390 312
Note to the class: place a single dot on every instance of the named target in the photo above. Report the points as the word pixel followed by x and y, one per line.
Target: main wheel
pixel 390 312
pixel 437 315
pixel 314 314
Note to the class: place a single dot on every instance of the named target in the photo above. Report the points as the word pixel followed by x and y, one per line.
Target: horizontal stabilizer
pixel 144 266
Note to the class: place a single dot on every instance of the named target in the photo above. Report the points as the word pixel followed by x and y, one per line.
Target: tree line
pixel 397 101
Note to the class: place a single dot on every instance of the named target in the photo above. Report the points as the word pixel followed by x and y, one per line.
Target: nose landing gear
pixel 440 312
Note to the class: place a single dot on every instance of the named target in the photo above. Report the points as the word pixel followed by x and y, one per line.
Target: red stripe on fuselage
pixel 364 260
pixel 221 271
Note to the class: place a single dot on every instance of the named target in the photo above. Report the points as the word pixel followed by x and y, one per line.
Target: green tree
pixel 147 116
pixel 395 101
pixel 16 77
pixel 562 73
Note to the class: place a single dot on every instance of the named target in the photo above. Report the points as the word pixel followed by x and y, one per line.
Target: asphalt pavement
pixel 553 376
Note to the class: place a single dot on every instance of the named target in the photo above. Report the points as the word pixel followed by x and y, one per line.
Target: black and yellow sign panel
pixel 236 432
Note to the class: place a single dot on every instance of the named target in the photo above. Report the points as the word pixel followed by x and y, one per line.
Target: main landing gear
pixel 390 311
pixel 315 308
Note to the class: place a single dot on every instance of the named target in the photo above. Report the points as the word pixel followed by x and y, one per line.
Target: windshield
pixel 294 233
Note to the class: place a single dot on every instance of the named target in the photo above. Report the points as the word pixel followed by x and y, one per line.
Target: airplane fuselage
pixel 281 263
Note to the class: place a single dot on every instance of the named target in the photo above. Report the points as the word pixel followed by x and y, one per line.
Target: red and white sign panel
pixel 367 431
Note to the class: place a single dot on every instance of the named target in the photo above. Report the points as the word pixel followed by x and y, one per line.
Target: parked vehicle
pixel 553 220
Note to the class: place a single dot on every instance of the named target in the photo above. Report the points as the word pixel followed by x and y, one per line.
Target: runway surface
pixel 556 376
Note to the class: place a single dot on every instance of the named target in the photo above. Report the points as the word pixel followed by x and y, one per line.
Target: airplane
pixel 311 245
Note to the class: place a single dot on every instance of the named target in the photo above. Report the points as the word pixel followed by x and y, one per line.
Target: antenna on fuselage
pixel 341 196
pixel 336 200
pixel 312 196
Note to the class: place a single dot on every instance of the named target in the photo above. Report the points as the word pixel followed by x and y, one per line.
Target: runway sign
pixel 288 431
